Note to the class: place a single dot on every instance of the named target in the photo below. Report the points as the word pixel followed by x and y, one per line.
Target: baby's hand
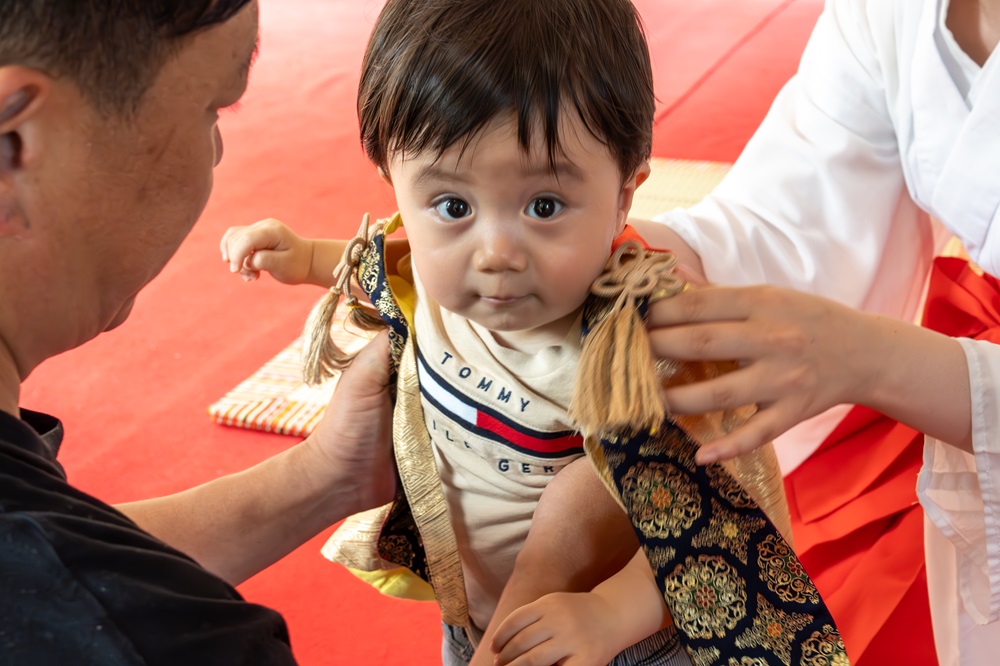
pixel 571 629
pixel 268 246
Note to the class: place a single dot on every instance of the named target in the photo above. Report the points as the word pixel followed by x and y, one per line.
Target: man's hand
pixel 355 434
pixel 237 525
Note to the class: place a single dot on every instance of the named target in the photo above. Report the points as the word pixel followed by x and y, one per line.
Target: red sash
pixel 858 526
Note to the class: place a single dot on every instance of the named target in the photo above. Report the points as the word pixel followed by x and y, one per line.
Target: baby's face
pixel 499 239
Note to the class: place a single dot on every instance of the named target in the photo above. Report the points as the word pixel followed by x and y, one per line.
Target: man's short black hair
pixel 112 49
pixel 437 71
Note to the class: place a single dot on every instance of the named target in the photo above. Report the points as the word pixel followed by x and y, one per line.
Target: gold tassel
pixel 321 356
pixel 617 386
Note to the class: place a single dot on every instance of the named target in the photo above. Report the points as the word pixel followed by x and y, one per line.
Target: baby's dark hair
pixel 439 71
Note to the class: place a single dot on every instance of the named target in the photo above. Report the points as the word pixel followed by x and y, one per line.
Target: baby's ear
pixel 384 175
pixel 641 173
pixel 627 194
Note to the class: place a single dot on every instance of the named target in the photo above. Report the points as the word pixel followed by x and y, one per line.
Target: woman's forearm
pixel 920 378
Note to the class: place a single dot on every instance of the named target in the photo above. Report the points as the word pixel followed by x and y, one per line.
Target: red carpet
pixel 134 401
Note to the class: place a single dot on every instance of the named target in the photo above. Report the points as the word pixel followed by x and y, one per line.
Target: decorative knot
pixel 635 273
pixel 351 258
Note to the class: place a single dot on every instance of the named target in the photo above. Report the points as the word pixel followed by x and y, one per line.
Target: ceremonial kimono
pixel 886 126
pixel 734 588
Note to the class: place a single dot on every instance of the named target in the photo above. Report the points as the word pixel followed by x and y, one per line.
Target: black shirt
pixel 82 584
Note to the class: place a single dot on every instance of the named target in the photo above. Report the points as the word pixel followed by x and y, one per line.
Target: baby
pixel 514 135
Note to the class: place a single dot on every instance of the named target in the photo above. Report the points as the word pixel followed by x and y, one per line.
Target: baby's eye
pixel 453 208
pixel 543 208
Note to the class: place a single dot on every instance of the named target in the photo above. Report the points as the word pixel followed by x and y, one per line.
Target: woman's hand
pixel 799 355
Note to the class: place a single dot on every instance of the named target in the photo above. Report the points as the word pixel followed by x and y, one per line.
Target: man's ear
pixel 23 91
pixel 627 194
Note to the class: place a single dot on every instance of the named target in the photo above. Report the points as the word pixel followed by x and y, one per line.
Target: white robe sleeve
pixel 817 200
pixel 960 492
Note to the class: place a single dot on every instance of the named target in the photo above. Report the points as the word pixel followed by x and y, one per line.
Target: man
pixel 108 138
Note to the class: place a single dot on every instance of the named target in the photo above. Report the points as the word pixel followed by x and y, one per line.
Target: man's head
pixel 108 139
pixel 514 135
pixel 111 49
pixel 438 71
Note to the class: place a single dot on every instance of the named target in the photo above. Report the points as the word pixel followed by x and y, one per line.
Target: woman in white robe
pixel 892 120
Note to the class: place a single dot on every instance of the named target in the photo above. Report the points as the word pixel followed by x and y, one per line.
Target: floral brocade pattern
pixel 729 488
pixel 747 661
pixel 729 531
pixel 784 571
pixel 709 597
pixel 397 549
pixel 659 557
pixel 736 591
pixel 823 649
pixel 774 630
pixel 666 502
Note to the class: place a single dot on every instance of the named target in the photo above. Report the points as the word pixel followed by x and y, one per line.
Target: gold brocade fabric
pixel 419 478
pixel 734 587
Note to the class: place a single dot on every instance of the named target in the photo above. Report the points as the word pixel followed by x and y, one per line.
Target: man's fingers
pixel 370 369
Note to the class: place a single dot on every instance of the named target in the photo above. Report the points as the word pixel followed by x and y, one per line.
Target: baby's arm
pixel 272 247
pixel 579 537
pixel 588 628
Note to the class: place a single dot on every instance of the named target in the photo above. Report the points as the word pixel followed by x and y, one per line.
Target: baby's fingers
pixel 239 247
pixel 546 654
pixel 248 271
pixel 224 243
pixel 514 624
pixel 244 244
pixel 529 648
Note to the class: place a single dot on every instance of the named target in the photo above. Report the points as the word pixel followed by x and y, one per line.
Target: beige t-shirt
pixel 497 420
